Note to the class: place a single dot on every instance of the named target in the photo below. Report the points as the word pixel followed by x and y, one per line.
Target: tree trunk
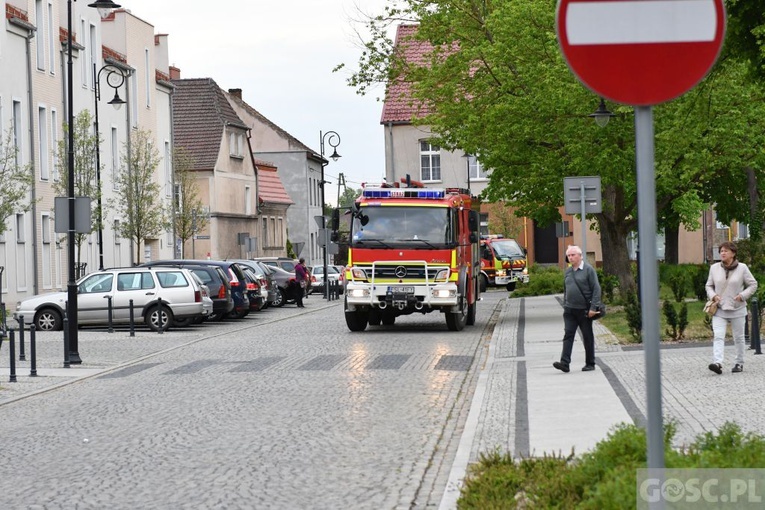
pixel 616 260
pixel 672 244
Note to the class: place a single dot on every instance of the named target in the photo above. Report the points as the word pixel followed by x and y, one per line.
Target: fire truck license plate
pixel 400 290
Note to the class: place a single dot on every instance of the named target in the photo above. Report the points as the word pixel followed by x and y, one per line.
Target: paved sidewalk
pixel 524 407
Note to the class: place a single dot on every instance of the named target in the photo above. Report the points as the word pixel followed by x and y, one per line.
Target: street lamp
pixel 333 139
pixel 115 78
pixel 602 115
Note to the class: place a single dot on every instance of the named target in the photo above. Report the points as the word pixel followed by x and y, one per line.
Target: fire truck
pixel 503 262
pixel 411 250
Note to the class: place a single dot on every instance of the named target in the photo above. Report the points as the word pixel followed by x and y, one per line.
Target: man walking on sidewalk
pixel 581 302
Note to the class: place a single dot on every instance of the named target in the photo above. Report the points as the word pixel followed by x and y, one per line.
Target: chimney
pixel 237 93
pixel 175 73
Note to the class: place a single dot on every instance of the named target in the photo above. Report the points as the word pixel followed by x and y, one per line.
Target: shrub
pixel 634 316
pixel 542 280
pixel 699 281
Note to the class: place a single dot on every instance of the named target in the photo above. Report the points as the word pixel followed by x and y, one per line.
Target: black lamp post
pixel 333 139
pixel 115 78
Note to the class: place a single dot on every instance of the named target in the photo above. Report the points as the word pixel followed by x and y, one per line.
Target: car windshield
pixel 96 283
pixel 508 248
pixel 419 227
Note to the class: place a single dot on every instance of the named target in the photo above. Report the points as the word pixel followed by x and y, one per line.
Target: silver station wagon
pixel 181 295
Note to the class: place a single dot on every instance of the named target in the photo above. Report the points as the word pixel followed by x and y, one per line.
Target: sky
pixel 281 54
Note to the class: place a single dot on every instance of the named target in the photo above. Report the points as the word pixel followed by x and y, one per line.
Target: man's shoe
pixel 588 368
pixel 738 367
pixel 561 366
pixel 716 368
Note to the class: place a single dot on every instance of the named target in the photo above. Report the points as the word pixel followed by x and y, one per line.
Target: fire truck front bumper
pixel 401 296
pixel 512 277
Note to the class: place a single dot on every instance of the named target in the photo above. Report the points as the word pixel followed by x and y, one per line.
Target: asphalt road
pixel 283 409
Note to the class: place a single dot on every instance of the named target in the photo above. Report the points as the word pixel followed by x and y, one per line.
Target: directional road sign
pixel 640 52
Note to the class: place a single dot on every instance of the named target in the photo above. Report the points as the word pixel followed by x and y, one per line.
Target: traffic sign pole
pixel 646 191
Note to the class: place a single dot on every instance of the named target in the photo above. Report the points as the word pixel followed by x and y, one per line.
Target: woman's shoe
pixel 738 367
pixel 716 368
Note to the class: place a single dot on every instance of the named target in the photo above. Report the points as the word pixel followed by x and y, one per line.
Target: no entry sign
pixel 640 52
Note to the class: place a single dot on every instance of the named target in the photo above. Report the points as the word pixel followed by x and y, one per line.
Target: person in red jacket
pixel 301 275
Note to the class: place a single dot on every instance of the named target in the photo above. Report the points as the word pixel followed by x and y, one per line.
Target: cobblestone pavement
pixel 284 409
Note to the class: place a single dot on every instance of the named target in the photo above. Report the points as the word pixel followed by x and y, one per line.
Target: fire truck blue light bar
pixel 403 193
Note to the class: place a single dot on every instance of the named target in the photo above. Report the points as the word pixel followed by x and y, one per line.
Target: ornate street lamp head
pixel 105 7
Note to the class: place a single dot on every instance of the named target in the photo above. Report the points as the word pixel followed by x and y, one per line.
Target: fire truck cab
pixel 503 262
pixel 412 250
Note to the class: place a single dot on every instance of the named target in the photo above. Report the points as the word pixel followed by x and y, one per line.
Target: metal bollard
pixel 756 327
pixel 22 356
pixel 159 316
pixel 12 340
pixel 67 361
pixel 110 314
pixel 33 350
pixel 132 319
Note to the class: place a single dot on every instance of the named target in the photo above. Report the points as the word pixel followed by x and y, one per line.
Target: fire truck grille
pixel 404 273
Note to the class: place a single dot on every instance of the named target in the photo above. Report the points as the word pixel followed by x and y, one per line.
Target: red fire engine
pixel 412 250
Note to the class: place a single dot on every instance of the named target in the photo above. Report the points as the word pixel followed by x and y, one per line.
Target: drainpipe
pixel 257 192
pixel 172 174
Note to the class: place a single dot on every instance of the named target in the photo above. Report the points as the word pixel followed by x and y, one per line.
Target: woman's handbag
pixel 710 307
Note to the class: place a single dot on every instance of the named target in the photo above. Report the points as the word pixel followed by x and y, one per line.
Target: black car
pixel 232 272
pixel 253 288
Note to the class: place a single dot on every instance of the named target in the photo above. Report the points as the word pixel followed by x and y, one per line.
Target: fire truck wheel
pixel 456 321
pixel 484 282
pixel 510 286
pixel 375 316
pixel 470 315
pixel 356 320
pixel 388 319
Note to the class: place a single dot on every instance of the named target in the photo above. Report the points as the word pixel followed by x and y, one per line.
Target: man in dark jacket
pixel 581 302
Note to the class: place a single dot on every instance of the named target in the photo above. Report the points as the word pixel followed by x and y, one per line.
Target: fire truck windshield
pixel 506 248
pixel 418 226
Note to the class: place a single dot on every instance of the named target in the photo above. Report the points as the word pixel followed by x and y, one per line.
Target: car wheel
pixel 456 321
pixel 48 319
pixel 217 317
pixel 510 286
pixel 159 317
pixel 279 301
pixel 388 319
pixel 375 316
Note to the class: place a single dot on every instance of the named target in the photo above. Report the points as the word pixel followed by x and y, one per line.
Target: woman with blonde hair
pixel 730 284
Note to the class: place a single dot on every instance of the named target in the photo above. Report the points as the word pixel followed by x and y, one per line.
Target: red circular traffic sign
pixel 640 52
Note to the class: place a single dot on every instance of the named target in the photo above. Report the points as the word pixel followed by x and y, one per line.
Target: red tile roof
pixel 270 188
pixel 399 107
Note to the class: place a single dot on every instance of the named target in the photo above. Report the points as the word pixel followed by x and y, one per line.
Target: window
pixel 247 200
pixel 168 170
pixel 94 57
pixel 20 236
pixel 40 42
pixel 83 61
pixel 147 65
pixel 476 169
pixel 117 239
pixel 45 230
pixel 17 130
pixel 430 161
pixel 51 39
pixel 133 103
pixel 115 158
pixel 42 124
pixel 265 233
pixel 54 142
pixel 235 145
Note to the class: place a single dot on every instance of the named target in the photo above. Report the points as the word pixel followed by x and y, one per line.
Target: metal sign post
pixel 582 196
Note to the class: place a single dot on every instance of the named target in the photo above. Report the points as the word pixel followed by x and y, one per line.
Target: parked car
pixel 233 274
pixel 267 287
pixel 317 277
pixel 180 293
pixel 285 263
pixel 286 285
pixel 252 283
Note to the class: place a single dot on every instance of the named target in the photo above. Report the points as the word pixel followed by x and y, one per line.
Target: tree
pixel 15 181
pixel 189 216
pixel 85 146
pixel 495 84
pixel 348 197
pixel 137 198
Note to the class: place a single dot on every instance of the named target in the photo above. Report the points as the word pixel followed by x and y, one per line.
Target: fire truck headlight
pixel 500 272
pixel 359 293
pixel 525 270
pixel 442 275
pixel 358 274
pixel 444 293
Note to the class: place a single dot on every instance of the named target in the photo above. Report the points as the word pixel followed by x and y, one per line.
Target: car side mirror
pixel 473 238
